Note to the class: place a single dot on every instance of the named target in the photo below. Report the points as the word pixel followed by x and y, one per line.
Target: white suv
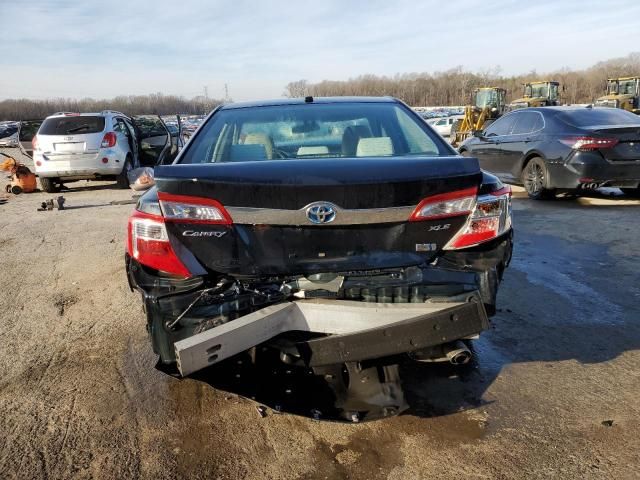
pixel 73 146
pixel 443 125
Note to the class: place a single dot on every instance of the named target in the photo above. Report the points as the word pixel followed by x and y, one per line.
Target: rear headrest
pixel 247 153
pixel 374 147
pixel 259 138
pixel 319 150
pixel 351 137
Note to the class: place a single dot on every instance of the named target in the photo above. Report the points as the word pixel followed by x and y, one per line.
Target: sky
pixel 101 49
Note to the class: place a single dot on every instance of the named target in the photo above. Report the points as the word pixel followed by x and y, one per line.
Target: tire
pixel 122 181
pixel 50 185
pixel 535 178
pixel 631 192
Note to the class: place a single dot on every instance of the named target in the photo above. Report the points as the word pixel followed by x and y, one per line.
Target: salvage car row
pixel 547 150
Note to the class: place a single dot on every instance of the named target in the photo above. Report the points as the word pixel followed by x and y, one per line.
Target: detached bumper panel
pixel 355 330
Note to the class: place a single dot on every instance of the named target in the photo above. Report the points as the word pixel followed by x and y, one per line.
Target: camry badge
pixel 321 212
pixel 193 233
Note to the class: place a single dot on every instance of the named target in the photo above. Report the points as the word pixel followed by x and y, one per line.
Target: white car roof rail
pixel 113 112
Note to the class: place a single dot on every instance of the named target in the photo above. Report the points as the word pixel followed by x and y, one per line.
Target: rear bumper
pixel 355 331
pixel 78 166
pixel 460 291
pixel 590 170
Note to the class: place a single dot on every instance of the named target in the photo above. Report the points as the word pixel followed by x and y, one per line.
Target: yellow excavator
pixel 538 94
pixel 622 93
pixel 487 104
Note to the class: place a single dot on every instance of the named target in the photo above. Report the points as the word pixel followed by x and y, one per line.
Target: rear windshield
pixel 599 116
pixel 72 125
pixel 312 131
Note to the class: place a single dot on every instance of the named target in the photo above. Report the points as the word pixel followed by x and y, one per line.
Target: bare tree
pixel 454 86
pixel 157 103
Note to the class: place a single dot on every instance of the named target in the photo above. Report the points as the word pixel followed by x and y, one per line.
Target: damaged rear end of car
pixel 344 246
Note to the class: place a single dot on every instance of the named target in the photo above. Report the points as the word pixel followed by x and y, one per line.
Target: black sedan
pixel 325 230
pixel 561 149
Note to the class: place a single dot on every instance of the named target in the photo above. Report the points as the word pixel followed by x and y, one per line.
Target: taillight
pixel 451 204
pixel 149 244
pixel 188 209
pixel 109 140
pixel 491 218
pixel 586 144
pixel 34 142
pixel 148 240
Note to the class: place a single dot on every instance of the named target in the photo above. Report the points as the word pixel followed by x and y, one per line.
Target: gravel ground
pixel 80 397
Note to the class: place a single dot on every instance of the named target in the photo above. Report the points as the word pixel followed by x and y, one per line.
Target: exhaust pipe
pixel 457 353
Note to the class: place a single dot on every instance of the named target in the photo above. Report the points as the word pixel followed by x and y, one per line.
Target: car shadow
pixel 88 187
pixel 601 199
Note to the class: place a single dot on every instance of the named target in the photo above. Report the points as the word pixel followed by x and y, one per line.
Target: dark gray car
pixel 559 149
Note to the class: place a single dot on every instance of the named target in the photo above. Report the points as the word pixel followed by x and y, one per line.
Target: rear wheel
pixel 50 185
pixel 535 179
pixel 123 180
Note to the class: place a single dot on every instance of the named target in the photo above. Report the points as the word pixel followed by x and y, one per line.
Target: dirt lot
pixel 80 397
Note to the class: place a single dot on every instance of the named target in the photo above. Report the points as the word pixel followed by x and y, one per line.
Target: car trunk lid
pixel 628 146
pixel 273 230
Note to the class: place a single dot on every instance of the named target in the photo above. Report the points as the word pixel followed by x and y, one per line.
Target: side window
pixel 441 122
pixel 120 127
pixel 538 123
pixel 527 122
pixel 502 126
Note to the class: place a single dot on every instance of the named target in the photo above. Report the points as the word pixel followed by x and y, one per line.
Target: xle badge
pixel 442 226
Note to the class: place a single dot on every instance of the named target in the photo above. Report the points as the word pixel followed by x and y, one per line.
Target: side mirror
pixel 478 133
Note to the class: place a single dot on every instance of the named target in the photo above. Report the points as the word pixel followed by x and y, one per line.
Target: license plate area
pixel 68 147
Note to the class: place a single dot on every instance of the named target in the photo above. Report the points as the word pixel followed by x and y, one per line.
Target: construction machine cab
pixel 491 97
pixel 487 104
pixel 622 93
pixel 538 94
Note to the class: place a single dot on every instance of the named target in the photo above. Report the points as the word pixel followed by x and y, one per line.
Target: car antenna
pixel 308 99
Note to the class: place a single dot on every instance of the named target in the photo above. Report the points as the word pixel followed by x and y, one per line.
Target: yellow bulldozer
pixel 622 93
pixel 487 104
pixel 538 94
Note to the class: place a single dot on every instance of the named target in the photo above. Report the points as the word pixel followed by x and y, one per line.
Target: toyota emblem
pixel 321 212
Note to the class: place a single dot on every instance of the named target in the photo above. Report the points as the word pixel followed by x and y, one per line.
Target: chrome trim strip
pixel 274 216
